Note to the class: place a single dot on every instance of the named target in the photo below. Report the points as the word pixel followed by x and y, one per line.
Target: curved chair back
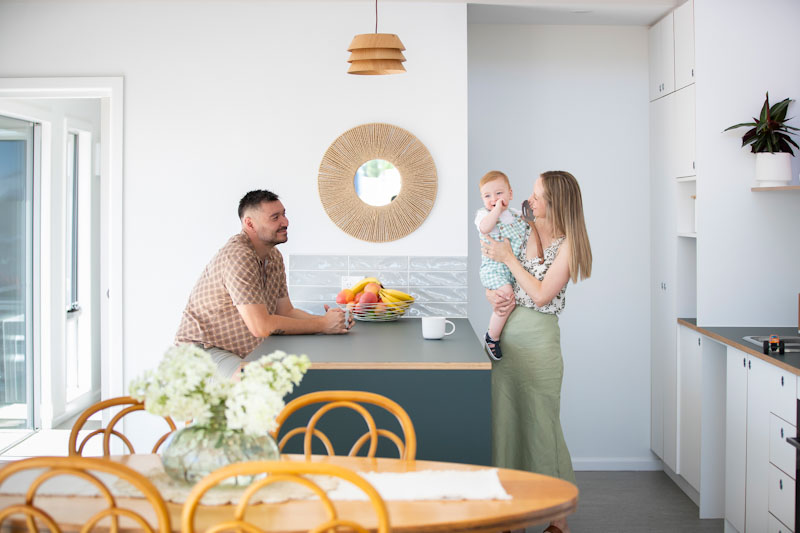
pixel 333 399
pixel 84 468
pixel 132 405
pixel 282 471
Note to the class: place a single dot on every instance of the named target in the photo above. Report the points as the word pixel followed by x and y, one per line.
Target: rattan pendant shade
pixel 376 54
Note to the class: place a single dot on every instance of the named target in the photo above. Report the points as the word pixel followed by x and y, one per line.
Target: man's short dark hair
pixel 254 199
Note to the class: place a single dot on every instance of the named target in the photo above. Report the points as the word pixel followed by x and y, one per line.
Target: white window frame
pixel 110 92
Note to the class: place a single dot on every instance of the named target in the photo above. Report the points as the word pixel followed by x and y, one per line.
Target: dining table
pixel 534 499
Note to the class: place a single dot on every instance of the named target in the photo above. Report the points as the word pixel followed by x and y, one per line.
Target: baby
pixel 495 220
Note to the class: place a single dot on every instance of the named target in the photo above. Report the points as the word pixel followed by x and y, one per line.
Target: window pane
pixel 71 227
pixel 16 241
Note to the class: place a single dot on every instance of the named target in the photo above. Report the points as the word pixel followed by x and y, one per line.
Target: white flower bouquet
pixel 185 387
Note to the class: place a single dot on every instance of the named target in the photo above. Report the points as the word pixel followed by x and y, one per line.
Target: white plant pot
pixel 773 169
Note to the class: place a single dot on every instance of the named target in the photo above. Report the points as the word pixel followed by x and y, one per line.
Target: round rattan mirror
pixel 377 223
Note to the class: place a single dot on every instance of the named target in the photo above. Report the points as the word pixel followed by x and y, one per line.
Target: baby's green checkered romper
pixel 511 227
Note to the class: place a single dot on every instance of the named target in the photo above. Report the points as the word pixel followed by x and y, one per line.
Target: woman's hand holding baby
pixel 499 250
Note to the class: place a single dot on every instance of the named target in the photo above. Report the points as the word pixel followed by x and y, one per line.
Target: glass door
pixel 17 153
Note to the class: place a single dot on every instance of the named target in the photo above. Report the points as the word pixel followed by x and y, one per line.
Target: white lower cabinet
pixel 690 378
pixel 781 453
pixel 775 526
pixel 735 438
pixel 759 463
pixel 757 482
pixel 781 495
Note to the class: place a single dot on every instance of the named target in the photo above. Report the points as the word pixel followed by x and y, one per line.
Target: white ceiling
pixel 620 12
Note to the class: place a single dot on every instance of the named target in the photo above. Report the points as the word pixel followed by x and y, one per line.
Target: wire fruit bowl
pixel 377 312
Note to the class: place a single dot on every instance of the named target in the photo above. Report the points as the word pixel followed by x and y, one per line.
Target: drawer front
pixel 781 495
pixel 784 395
pixel 781 453
pixel 775 526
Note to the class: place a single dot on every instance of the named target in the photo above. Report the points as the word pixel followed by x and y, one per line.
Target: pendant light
pixel 376 53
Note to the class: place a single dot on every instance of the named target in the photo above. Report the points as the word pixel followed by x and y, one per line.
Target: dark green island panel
pixel 444 385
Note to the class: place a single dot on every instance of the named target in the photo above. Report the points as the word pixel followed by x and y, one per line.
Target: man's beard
pixel 276 238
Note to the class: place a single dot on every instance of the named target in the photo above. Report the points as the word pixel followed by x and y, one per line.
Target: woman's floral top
pixel 538 270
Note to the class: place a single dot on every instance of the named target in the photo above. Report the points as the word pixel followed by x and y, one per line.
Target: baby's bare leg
pixel 496 322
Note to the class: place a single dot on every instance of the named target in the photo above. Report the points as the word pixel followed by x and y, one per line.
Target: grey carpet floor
pixel 634 502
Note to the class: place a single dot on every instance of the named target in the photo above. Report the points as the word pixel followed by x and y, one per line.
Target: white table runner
pixel 482 484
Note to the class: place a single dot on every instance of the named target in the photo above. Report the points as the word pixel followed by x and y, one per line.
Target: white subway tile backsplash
pixel 390 279
pixel 315 277
pixel 317 262
pixel 313 294
pixel 439 294
pixel 378 262
pixel 437 263
pixel 446 279
pixel 438 283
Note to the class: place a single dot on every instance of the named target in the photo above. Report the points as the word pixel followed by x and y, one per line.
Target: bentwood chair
pixel 131 405
pixel 283 471
pixel 335 399
pixel 91 470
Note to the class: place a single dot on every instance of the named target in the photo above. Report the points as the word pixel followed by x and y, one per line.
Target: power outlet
pixel 349 281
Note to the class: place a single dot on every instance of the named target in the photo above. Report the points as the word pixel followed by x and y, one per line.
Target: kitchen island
pixel 444 385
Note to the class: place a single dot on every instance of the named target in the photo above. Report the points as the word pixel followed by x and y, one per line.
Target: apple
pixel 372 287
pixel 368 297
pixel 358 296
pixel 344 296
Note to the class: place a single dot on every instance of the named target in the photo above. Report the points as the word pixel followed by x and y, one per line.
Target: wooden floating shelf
pixel 782 188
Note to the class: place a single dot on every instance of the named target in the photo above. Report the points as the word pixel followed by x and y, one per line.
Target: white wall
pixel 222 97
pixel 748 256
pixel 575 98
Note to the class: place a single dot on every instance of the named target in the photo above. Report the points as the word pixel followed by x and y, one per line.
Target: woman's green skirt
pixel 526 397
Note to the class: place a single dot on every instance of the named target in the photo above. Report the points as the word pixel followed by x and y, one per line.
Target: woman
pixel 526 383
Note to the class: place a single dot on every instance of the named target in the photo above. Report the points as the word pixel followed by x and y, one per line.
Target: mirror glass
pixel 377 182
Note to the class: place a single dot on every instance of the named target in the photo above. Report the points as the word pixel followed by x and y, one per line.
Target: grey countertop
pixel 385 345
pixel 732 336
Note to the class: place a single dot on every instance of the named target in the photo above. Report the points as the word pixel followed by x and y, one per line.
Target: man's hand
pixel 502 304
pixel 334 321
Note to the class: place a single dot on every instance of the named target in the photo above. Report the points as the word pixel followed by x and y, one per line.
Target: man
pixel 241 296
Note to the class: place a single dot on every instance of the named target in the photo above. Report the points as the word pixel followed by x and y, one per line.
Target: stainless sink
pixel 791 344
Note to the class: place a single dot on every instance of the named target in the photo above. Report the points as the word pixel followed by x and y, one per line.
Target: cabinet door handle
pixel 698 341
pixel 781 432
pixel 780 484
pixel 781 381
pixel 744 362
pixel 749 364
pixel 693 73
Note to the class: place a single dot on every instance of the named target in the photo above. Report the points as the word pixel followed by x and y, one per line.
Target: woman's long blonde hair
pixel 565 212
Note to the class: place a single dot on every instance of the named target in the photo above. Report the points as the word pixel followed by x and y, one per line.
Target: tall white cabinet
pixel 672 206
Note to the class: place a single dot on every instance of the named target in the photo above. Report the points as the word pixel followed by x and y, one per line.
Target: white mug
pixel 433 327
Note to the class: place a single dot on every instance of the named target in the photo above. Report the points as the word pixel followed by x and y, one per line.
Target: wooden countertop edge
pixel 742 347
pixel 400 366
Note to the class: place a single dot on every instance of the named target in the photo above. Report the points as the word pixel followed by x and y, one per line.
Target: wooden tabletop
pixel 535 499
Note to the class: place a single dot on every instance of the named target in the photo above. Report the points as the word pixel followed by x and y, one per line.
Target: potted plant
pixel 769 139
pixel 231 421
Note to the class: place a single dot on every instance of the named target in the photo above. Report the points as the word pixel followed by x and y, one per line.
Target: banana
pixel 358 287
pixel 397 295
pixel 386 297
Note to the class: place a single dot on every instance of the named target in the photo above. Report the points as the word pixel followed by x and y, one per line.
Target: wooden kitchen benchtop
pixel 732 336
pixel 385 346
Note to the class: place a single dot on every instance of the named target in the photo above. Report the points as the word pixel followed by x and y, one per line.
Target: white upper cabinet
pixel 662 58
pixel 684 45
pixel 671 51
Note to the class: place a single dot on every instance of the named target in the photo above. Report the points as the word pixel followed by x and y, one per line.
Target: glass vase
pixel 195 451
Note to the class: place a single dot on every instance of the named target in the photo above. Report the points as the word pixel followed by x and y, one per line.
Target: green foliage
pixel 769 132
